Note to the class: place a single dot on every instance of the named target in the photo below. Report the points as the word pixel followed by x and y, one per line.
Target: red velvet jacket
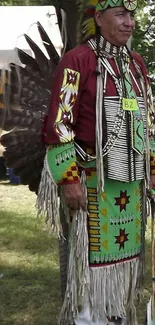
pixel 83 60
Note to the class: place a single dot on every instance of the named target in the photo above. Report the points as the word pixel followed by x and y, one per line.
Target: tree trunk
pixel 70 8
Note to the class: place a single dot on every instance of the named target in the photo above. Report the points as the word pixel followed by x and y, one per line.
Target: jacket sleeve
pixel 62 116
pixel 151 126
pixel 150 111
pixel 150 121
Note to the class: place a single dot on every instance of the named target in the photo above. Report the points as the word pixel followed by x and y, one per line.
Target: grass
pixel 30 288
pixel 29 268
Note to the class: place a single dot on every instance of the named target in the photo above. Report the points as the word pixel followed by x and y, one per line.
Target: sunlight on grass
pixel 30 286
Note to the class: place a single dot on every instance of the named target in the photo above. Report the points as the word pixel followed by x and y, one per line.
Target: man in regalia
pixel 100 159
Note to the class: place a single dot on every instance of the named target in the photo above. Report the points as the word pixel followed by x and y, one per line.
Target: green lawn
pixel 30 288
pixel 29 268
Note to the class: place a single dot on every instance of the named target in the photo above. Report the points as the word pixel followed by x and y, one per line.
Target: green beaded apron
pixel 114 220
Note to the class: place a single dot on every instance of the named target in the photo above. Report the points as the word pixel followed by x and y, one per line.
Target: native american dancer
pixel 100 161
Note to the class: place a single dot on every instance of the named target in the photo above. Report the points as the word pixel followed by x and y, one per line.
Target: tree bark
pixel 70 8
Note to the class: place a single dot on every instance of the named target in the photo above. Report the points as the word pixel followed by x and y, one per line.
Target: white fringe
pixel 109 290
pixel 113 290
pixel 99 124
pixel 78 270
pixel 147 139
pixel 48 201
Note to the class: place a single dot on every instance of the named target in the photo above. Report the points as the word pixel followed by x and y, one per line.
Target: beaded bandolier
pixel 113 165
pixel 126 121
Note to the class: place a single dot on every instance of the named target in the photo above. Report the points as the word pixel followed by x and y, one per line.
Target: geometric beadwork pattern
pixel 114 220
pixel 93 218
pixel 61 162
pixel 104 4
pixel 67 98
pixel 122 200
pixel 121 238
pixel 71 174
pixel 128 4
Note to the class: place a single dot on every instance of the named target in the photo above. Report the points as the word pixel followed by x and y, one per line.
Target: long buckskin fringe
pixel 78 269
pixel 109 290
pixel 113 290
pixel 48 201
pixel 147 137
pixel 145 214
pixel 99 121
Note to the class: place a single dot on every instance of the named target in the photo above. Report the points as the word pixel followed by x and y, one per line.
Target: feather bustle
pixel 28 90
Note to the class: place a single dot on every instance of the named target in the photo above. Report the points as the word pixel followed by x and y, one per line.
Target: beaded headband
pixel 104 4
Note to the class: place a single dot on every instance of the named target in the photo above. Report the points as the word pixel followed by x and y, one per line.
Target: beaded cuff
pixel 61 161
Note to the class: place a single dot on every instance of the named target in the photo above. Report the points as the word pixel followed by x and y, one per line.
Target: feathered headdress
pixel 87 8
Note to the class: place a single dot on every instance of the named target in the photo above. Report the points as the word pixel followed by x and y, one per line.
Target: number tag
pixel 130 104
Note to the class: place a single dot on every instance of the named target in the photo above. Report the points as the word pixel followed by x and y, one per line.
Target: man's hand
pixel 74 196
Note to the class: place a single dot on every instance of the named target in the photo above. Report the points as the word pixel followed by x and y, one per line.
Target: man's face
pixel 116 25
